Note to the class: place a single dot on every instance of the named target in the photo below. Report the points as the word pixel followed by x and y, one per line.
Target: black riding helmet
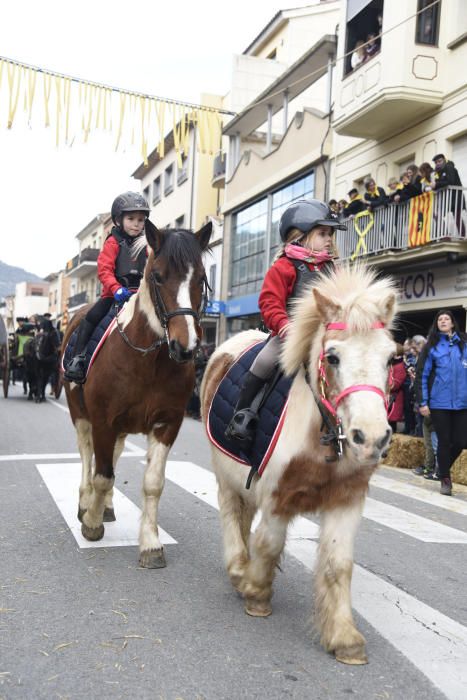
pixel 128 201
pixel 305 214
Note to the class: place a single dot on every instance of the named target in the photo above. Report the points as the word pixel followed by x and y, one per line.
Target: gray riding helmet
pixel 128 201
pixel 305 214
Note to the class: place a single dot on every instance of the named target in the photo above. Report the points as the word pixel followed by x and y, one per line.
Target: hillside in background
pixel 10 276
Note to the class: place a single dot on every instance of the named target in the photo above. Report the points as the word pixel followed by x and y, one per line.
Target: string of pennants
pixel 74 108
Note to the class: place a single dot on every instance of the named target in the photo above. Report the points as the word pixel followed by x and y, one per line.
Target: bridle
pixel 335 434
pixel 164 316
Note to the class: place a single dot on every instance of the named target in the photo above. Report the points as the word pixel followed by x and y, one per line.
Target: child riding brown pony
pixel 141 380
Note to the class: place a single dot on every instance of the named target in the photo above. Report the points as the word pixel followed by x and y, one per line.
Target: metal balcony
pixel 218 170
pixel 77 300
pixel 395 233
pixel 84 263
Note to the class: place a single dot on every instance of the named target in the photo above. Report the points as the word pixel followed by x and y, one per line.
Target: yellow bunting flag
pixel 420 216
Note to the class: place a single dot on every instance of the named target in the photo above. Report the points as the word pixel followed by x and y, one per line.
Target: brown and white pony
pixel 140 381
pixel 338 347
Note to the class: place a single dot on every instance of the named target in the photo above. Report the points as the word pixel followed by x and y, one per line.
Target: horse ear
pixel 154 237
pixel 203 235
pixel 388 308
pixel 326 308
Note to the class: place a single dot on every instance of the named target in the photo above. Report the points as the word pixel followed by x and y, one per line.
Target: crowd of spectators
pixel 413 181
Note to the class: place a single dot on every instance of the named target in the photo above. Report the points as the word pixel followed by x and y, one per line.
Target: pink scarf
pixel 298 252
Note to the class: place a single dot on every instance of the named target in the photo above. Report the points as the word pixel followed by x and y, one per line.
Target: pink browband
pixel 332 407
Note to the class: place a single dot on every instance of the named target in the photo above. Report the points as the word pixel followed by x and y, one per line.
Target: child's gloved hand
pixel 122 295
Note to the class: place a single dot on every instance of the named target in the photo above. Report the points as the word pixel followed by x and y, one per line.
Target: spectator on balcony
pixel 446 174
pixel 372 45
pixel 394 186
pixel 341 206
pixel 427 178
pixel 408 190
pixel 356 204
pixel 413 172
pixel 374 196
pixel 333 207
pixel 358 55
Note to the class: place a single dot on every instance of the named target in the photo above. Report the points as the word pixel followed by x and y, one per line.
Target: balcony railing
pixel 77 299
pixel 86 255
pixel 397 227
pixel 218 170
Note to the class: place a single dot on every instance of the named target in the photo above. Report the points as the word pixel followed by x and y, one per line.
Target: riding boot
pixel 76 370
pixel 242 426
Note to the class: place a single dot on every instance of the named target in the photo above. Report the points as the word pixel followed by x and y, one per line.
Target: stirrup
pixel 242 427
pixel 76 370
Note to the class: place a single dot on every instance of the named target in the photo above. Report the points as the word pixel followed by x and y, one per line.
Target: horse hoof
pixel 109 515
pixel 354 656
pixel 258 608
pixel 92 533
pixel 152 559
pixel 81 512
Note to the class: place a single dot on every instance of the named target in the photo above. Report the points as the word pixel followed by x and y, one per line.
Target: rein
pixel 335 435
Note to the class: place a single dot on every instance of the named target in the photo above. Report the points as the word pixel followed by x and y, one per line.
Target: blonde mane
pixel 350 294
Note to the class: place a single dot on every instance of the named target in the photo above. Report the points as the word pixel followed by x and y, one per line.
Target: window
pixel 427 28
pixel 156 190
pixel 169 179
pixel 35 292
pixel 180 222
pixel 364 23
pixel 182 173
pixel 249 235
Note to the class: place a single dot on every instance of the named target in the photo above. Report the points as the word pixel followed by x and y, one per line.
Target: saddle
pixel 96 341
pixel 271 413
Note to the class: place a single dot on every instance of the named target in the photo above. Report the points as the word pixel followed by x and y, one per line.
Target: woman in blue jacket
pixel 444 391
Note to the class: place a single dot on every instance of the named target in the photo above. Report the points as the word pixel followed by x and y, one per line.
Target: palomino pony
pixel 337 349
pixel 141 380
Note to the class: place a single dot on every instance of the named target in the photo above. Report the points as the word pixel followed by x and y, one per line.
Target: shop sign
pixel 214 308
pixel 242 306
pixel 438 283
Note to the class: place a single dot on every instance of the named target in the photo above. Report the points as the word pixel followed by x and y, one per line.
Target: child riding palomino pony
pixel 140 381
pixel 337 349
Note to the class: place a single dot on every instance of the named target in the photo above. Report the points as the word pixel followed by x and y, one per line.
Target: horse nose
pixel 178 353
pixel 359 438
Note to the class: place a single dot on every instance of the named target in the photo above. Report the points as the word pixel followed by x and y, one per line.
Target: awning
pixel 296 79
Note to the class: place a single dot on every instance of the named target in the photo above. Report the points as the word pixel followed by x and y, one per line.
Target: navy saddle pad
pixel 271 415
pixel 94 341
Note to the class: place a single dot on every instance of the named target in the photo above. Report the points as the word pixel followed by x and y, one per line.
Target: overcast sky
pixel 170 49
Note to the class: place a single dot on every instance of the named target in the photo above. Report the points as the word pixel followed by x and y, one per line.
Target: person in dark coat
pixel 356 204
pixel 374 196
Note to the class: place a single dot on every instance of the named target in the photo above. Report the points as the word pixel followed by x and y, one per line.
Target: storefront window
pixel 250 259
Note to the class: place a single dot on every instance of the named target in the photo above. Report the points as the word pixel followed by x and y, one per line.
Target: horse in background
pixel 46 349
pixel 337 349
pixel 141 380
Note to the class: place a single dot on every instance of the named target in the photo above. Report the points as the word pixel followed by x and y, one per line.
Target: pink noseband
pixel 332 407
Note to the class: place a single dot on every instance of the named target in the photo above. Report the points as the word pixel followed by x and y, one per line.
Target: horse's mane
pixel 180 248
pixel 354 295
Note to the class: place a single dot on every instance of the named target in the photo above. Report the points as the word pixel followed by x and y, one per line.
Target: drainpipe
pixel 285 107
pixel 269 134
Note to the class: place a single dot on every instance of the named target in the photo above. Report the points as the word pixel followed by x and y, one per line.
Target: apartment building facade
pixel 81 270
pixel 187 193
pixel 405 105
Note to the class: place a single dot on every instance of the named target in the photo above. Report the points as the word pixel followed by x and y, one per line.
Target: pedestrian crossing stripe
pixel 62 481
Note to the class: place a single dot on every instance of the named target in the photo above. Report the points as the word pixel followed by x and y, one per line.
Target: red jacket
pixel 277 288
pixel 106 267
pixel 396 395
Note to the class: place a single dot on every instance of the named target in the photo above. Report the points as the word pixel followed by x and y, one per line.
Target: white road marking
pixel 62 481
pixel 433 642
pixel 419 493
pixel 410 524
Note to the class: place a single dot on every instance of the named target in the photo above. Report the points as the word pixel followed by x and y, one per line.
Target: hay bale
pixel 459 469
pixel 405 452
